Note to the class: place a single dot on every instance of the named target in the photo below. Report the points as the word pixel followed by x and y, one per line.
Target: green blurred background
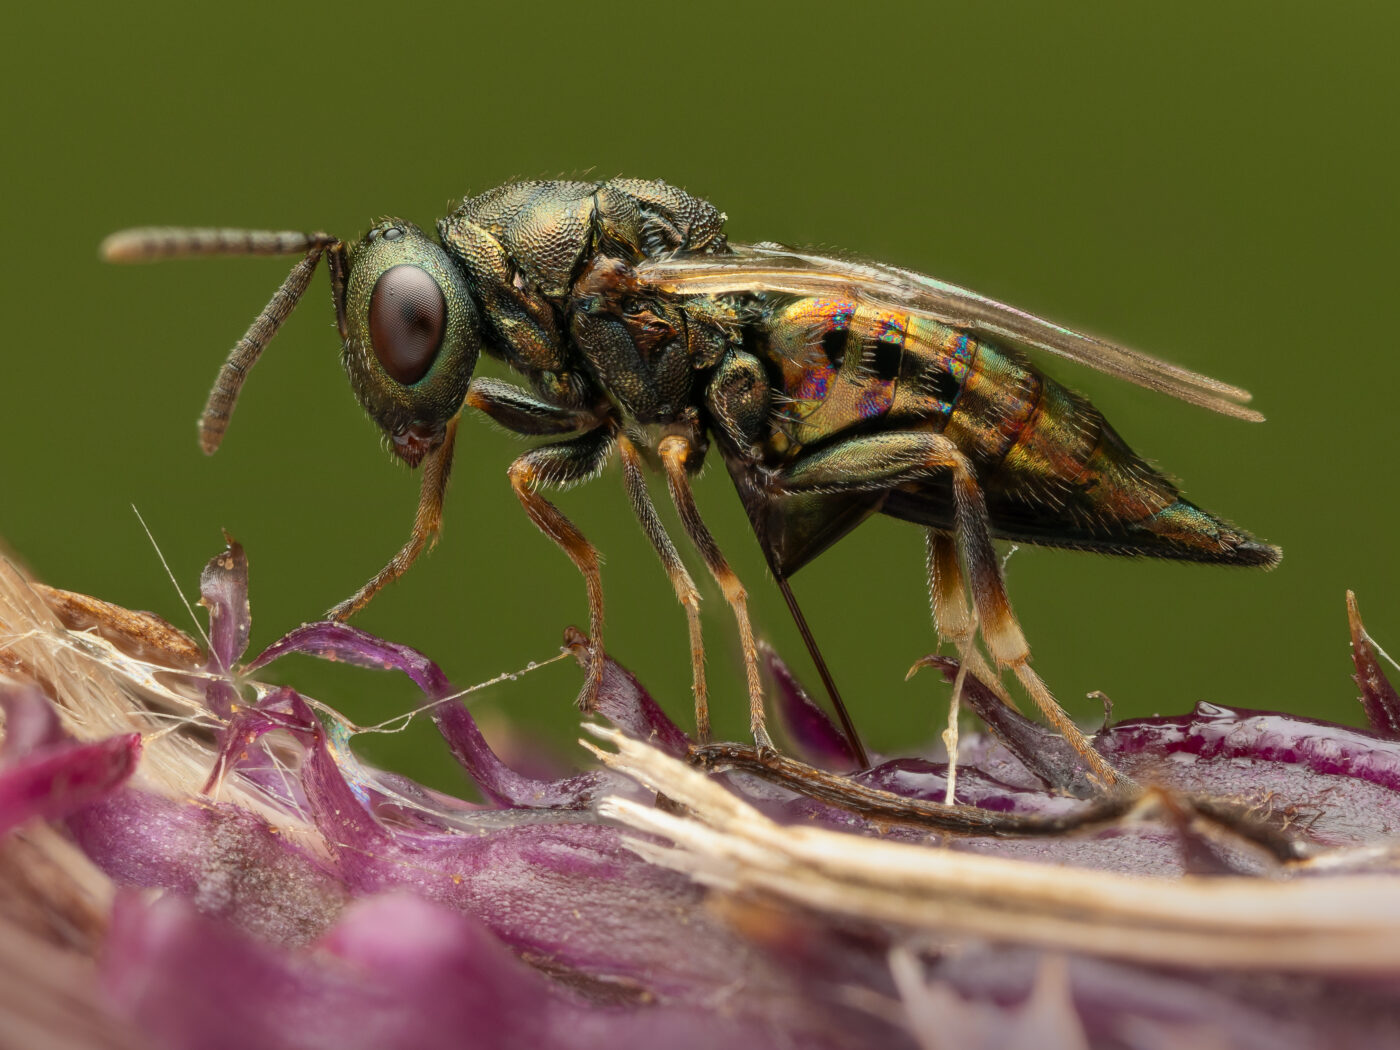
pixel 1213 183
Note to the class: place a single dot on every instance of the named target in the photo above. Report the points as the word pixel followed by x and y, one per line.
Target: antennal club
pixel 148 244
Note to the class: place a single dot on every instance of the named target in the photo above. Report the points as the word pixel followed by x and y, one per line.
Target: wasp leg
pixel 520 412
pixel 955 622
pixel 883 460
pixel 427 523
pixel 953 619
pixel 557 464
pixel 681 582
pixel 560 464
pixel 675 450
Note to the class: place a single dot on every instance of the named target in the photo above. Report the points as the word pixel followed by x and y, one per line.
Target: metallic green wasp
pixel 833 390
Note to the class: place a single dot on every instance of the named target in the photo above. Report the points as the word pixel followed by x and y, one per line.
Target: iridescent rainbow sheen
pixel 1052 469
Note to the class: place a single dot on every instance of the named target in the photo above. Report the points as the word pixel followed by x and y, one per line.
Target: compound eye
pixel 407 318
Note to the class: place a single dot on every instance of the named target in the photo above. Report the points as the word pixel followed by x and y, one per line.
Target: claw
pixel 590 657
pixel 931 660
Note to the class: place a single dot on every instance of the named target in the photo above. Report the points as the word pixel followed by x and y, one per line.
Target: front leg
pixel 561 464
pixel 427 523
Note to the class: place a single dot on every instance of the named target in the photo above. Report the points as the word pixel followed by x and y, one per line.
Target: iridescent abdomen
pixel 1053 470
pixel 1067 479
pixel 842 366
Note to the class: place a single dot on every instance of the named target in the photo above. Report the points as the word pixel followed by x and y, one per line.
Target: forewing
pixel 775 269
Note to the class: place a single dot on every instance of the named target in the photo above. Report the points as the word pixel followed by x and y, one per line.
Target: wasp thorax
pixel 413 336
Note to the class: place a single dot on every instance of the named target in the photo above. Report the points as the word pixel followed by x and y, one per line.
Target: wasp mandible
pixel 833 389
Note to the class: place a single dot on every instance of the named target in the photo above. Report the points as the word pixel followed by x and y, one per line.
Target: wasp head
pixel 412 335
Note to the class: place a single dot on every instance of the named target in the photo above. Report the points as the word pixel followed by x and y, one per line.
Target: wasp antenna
pixel 149 243
pixel 244 355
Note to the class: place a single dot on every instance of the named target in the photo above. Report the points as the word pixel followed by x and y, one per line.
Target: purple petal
pixel 626 704
pixel 1338 783
pixel 401 974
pixel 333 641
pixel 223 589
pixel 1213 732
pixel 1378 697
pixel 54 781
pixel 247 725
pixel 921 779
pixel 342 643
pixel 412 920
pixel 157 971
pixel 231 863
pixel 918 778
pixel 556 887
pixel 30 721
pixel 1134 1006
pixel 815 735
pixel 1039 748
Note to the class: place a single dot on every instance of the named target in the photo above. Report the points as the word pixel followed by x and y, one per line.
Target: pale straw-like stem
pixel 1338 923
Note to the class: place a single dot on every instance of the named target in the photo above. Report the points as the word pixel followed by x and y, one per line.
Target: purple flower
pixel 200 860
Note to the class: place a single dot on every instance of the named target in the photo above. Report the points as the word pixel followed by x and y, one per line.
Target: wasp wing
pixel 775 269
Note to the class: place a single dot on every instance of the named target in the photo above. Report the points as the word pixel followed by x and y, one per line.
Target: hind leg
pixel 955 622
pixel 880 461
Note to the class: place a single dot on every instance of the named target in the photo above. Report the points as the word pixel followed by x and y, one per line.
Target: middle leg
pixel 675 451
pixel 560 463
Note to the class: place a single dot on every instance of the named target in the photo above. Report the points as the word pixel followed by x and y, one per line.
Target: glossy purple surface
pixel 403 918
